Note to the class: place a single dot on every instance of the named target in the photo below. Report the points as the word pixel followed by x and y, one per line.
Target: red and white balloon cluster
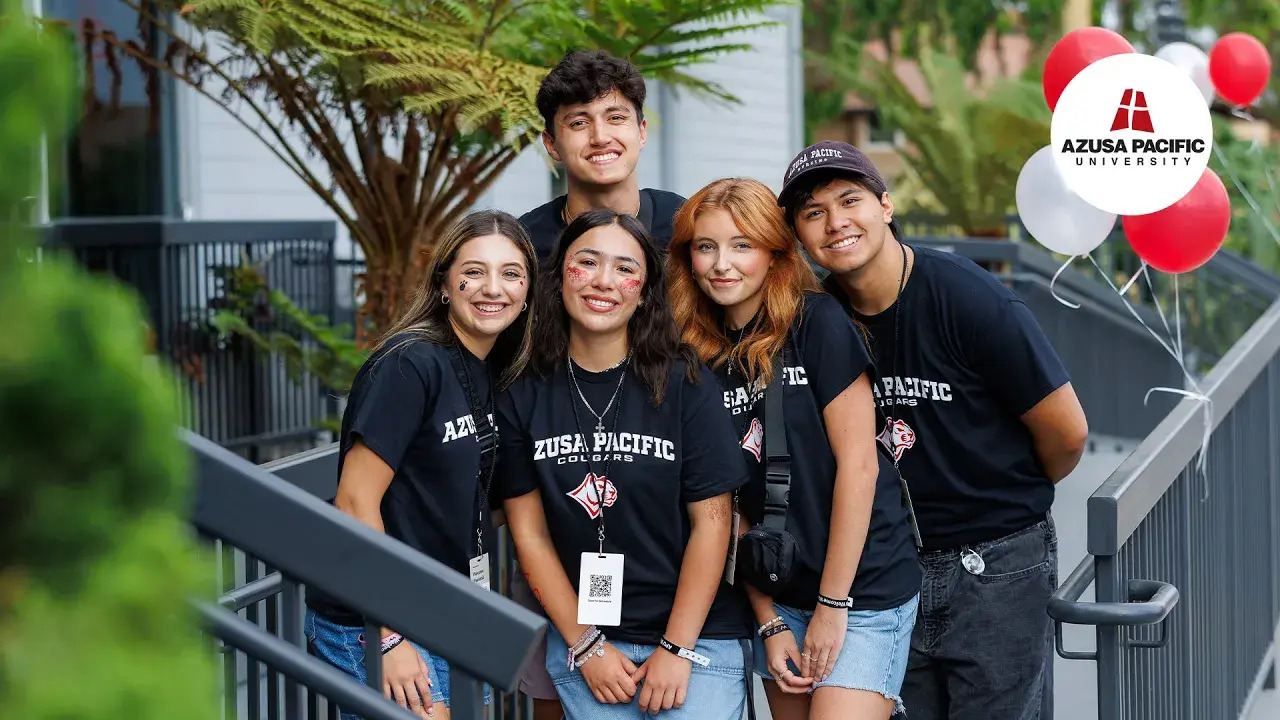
pixel 1186 233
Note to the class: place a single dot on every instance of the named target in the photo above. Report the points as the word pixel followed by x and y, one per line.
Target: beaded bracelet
pixel 775 620
pixel 596 650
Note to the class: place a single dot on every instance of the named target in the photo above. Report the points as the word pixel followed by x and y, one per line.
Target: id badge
pixel 731 562
pixel 600 589
pixel 480 570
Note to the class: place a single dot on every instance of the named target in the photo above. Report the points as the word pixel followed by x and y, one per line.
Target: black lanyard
pixel 600 483
pixel 486 434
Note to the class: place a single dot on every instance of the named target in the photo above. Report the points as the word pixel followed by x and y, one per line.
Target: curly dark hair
pixel 581 77
pixel 651 332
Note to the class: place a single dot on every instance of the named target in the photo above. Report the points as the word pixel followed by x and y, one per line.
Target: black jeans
pixel 982 643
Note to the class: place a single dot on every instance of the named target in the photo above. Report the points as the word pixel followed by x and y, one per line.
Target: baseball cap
pixel 828 155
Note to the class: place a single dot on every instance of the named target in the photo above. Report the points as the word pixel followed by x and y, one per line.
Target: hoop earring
pixel 524 306
pixel 444 298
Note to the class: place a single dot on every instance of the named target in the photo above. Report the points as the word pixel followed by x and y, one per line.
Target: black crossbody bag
pixel 767 552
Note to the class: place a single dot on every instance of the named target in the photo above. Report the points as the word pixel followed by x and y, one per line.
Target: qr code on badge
pixel 601 586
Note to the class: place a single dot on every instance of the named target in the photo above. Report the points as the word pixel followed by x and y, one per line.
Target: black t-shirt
pixel 824 357
pixel 546 222
pixel 409 406
pixel 970 361
pixel 661 458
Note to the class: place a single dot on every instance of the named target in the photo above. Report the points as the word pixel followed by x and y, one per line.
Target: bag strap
pixel 777 475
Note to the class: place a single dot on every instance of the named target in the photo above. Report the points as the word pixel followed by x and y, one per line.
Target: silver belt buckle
pixel 972 561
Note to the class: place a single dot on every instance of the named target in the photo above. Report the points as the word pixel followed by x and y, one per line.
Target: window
pixel 115 158
pixel 881 131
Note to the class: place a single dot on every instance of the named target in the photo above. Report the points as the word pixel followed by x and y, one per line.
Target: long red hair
pixel 754 208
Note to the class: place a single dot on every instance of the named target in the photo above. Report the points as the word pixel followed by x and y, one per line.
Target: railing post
pixel 1109 587
pixel 291 632
pixel 466 696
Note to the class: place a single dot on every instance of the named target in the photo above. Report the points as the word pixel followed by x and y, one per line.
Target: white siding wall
pixel 228 174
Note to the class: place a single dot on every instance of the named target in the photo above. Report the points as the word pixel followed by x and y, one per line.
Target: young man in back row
pixel 979 414
pixel 592 106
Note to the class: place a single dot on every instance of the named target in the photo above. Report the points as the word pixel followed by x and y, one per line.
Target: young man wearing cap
pixel 979 415
pixel 592 105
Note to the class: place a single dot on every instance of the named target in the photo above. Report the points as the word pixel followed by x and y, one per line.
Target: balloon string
pixel 1198 395
pixel 1141 271
pixel 1248 197
pixel 1155 298
pixel 1052 283
pixel 1177 316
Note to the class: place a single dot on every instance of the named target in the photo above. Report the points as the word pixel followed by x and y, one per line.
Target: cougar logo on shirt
pixel 892 390
pixel 588 494
pixel 753 441
pixel 460 428
pixel 619 447
pixel 897 437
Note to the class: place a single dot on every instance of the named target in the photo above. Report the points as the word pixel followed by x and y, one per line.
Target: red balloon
pixel 1073 53
pixel 1239 67
pixel 1183 236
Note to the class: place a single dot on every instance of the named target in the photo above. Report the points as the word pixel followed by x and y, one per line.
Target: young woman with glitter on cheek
pixel 417 447
pixel 616 443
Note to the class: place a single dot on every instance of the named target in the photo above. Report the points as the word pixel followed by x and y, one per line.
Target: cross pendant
pixel 600 426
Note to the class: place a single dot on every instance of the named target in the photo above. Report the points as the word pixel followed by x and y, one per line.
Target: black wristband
pixel 685 653
pixel 844 604
pixel 775 630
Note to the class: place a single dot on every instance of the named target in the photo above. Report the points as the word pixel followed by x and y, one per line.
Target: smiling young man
pixel 978 412
pixel 592 105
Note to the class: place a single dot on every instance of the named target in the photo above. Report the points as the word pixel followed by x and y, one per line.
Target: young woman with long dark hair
pixel 417 448
pixel 832 638
pixel 618 462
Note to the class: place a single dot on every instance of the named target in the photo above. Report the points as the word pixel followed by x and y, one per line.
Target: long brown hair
pixel 652 335
pixel 754 208
pixel 428 316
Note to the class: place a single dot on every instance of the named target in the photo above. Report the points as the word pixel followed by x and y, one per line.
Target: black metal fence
pixel 185 272
pixel 1162 533
pixel 275 540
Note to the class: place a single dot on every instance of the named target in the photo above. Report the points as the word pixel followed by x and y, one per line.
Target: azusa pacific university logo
pixel 1132 114
pixel 588 494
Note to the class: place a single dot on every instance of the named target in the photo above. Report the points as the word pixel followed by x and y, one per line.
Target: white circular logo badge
pixel 1131 134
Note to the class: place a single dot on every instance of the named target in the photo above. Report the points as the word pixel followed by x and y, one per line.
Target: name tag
pixel 600 589
pixel 480 571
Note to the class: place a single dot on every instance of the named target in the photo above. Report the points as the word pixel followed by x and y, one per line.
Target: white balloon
pixel 1054 215
pixel 1191 60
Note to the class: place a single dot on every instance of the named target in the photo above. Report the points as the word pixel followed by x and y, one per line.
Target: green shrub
pixel 97 560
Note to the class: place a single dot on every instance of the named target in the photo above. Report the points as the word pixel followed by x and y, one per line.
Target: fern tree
pixel 399 114
pixel 966 146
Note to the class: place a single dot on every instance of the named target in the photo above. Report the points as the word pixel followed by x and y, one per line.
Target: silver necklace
pixel 599 415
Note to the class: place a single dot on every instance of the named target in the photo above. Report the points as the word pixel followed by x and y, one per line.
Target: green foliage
pixel 96 560
pixel 836 33
pixel 308 343
pixel 966 147
pixel 399 114
pixel 1253 183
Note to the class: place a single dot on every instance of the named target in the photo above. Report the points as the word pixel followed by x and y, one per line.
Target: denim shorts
pixel 874 654
pixel 716 692
pixel 343 647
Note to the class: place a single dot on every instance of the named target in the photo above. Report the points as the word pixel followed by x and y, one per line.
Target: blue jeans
pixel 982 642
pixel 874 654
pixel 717 692
pixel 343 647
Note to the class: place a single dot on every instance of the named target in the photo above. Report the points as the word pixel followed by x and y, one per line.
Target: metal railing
pixel 1185 562
pixel 275 540
pixel 185 272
